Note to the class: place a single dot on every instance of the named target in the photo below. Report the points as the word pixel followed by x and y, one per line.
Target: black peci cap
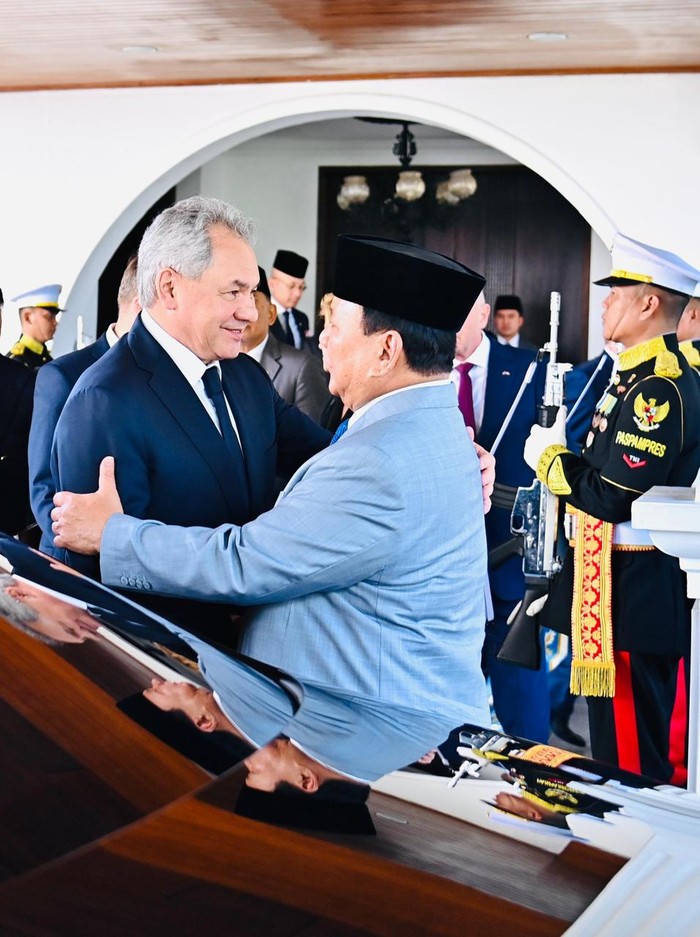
pixel 405 281
pixel 262 285
pixel 294 265
pixel 508 302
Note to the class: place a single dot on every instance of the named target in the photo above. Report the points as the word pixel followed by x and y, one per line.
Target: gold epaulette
pixel 691 353
pixel 666 365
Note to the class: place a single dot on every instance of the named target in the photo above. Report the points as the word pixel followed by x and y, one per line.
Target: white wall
pixel 621 148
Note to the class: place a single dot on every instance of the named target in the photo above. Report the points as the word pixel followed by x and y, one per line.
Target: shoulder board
pixel 666 365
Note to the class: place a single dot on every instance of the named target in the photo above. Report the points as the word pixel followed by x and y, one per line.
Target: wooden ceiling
pixel 92 43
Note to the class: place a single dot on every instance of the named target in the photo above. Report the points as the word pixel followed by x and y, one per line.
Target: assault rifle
pixel 535 518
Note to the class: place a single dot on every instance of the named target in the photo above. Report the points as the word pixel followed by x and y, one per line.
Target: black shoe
pixel 567 734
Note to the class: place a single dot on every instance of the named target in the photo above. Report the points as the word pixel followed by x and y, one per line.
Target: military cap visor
pixel 44 297
pixel 405 281
pixel 635 262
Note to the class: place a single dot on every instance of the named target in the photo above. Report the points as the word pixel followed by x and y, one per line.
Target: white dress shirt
pixel 514 342
pixel 290 320
pixel 399 390
pixel 191 367
pixel 257 352
pixel 479 360
pixel 111 336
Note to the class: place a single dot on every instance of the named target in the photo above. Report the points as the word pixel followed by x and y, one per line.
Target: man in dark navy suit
pixel 198 431
pixel 495 373
pixel 54 383
pixel 17 385
pixel 287 286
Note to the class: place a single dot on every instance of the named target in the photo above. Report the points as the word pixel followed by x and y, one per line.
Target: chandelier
pixel 410 185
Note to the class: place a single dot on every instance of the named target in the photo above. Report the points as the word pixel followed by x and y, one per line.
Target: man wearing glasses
pixel 38 315
pixel 287 287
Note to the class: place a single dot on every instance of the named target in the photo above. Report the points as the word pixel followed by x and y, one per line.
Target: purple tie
pixel 465 400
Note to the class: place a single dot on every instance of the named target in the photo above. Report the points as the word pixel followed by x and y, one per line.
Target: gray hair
pixel 19 614
pixel 180 238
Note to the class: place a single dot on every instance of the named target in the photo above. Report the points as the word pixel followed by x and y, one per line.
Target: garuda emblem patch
pixel 648 414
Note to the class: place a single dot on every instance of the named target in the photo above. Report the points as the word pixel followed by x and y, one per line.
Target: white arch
pixel 221 135
pixel 112 152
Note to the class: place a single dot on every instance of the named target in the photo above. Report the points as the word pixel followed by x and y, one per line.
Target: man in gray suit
pixel 369 572
pixel 297 375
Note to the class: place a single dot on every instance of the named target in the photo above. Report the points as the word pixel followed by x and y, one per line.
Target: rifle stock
pixel 522 643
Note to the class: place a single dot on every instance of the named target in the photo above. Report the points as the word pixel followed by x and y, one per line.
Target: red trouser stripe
pixel 624 714
pixel 677 754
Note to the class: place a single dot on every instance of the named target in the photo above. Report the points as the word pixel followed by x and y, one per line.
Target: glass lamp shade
pixel 444 196
pixel 410 186
pixel 353 191
pixel 461 183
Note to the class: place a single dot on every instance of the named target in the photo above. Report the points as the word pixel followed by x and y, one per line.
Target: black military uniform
pixel 691 350
pixel 645 432
pixel 16 395
pixel 29 352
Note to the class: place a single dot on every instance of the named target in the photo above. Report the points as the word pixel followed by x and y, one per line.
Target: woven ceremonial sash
pixel 592 664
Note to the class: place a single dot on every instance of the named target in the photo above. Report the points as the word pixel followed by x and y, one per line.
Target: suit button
pixel 146 585
pixel 124 580
pixel 132 581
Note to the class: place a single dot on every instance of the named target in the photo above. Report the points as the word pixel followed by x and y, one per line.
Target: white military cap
pixel 635 262
pixel 44 296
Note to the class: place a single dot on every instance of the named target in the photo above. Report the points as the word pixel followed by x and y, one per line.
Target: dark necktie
pixel 465 401
pixel 288 337
pixel 215 392
pixel 339 432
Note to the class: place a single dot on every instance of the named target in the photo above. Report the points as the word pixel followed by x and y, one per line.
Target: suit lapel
pixel 170 386
pixel 245 408
pixel 271 358
pixel 100 347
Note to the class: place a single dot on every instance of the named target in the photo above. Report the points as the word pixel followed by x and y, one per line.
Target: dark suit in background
pixel 53 385
pixel 17 388
pixel 523 343
pixel 520 695
pixel 280 331
pixel 298 377
pixel 172 463
pixel 580 409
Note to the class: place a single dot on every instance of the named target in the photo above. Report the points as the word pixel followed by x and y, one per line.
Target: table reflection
pixel 310 739
pixel 301 749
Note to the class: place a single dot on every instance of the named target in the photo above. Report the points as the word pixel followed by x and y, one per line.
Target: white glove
pixel 534 608
pixel 541 437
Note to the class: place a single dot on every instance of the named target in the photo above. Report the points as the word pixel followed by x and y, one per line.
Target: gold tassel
pixel 592 680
